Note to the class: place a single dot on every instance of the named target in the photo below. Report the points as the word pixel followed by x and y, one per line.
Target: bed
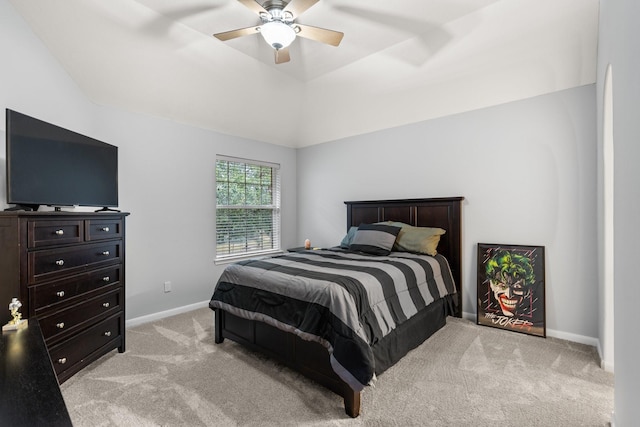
pixel 274 305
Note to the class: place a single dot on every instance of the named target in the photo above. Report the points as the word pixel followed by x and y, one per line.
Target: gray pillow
pixel 374 239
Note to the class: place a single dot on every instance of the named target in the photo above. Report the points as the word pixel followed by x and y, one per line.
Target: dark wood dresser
pixel 67 269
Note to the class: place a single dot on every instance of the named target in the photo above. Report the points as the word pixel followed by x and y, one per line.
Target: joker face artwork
pixel 511 287
pixel 511 277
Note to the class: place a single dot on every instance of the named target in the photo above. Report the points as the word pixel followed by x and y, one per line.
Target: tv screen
pixel 50 165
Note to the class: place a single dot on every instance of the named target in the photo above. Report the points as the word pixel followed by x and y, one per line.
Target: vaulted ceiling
pixel 400 61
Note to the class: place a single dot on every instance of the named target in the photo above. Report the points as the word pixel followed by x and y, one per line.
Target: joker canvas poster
pixel 511 288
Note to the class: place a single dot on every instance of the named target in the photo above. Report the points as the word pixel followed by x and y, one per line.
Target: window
pixel 247 207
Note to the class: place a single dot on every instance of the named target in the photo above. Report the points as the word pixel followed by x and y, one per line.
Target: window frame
pixel 274 207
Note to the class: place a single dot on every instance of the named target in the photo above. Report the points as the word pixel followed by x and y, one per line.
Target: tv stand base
pixel 20 207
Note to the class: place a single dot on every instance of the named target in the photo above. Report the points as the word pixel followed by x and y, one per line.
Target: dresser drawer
pixel 81 349
pixel 59 324
pixel 49 263
pixel 42 233
pixel 44 296
pixel 100 229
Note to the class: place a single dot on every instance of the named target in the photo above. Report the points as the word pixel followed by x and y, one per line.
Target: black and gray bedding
pixel 347 301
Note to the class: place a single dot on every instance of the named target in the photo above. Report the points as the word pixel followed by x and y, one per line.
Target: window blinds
pixel 247 207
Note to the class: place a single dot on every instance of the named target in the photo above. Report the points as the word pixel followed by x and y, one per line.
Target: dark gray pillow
pixel 375 239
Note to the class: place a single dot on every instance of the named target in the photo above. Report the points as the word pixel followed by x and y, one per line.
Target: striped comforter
pixel 344 300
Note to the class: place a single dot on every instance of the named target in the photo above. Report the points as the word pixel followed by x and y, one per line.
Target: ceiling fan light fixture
pixel 278 26
pixel 278 34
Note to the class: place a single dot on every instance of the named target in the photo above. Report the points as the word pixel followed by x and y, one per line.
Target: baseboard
pixel 581 339
pixel 568 336
pixel 470 316
pixel 604 364
pixel 607 366
pixel 136 321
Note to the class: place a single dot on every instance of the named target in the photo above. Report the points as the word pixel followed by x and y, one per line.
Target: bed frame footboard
pixel 309 358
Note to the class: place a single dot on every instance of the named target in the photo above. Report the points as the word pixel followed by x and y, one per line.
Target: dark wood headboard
pixel 443 212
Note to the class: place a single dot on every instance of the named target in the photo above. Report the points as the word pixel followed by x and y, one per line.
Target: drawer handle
pixel 59 232
pixel 60 262
pixel 62 360
pixel 106 304
pixel 105 229
pixel 106 278
pixel 105 253
pixel 60 293
pixel 107 334
pixel 60 325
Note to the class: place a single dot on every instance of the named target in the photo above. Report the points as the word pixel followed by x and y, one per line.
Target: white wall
pixel 619 44
pixel 527 170
pixel 167 176
pixel 166 173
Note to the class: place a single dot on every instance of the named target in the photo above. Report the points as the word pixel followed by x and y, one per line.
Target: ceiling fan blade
pixel 297 7
pixel 255 6
pixel 161 25
pixel 282 55
pixel 228 35
pixel 320 34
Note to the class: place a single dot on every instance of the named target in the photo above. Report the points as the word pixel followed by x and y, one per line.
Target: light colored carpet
pixel 173 374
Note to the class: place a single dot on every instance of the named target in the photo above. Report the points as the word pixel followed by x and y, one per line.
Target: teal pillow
pixel 348 238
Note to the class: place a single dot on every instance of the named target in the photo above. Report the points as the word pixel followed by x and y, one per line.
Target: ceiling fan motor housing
pixel 276 10
pixel 277 26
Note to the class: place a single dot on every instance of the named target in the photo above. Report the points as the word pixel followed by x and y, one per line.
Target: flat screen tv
pixel 53 166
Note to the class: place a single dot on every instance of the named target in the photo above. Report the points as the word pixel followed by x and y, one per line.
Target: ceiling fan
pixel 278 27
